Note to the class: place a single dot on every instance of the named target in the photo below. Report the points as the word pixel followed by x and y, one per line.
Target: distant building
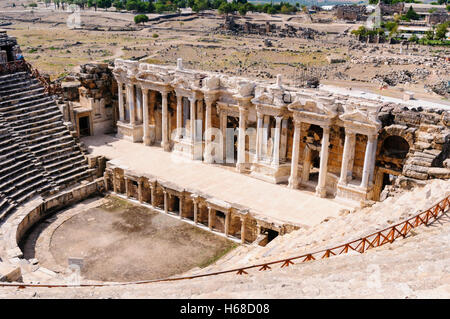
pixel 350 13
pixel 437 18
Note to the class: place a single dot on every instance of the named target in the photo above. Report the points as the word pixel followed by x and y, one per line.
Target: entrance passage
pixel 85 126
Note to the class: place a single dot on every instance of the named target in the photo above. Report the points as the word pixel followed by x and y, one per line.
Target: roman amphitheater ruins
pixel 262 164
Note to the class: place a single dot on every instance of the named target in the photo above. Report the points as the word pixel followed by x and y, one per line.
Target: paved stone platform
pixel 272 201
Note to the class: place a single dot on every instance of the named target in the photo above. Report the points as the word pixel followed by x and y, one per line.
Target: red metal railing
pixel 361 245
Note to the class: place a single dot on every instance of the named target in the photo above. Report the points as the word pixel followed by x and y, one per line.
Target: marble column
pixel 145 116
pixel 293 179
pixel 223 127
pixel 241 139
pixel 180 206
pixel 243 230
pixel 195 204
pixel 227 223
pixel 115 181
pixel 127 187
pixel 321 187
pixel 166 202
pixel 347 154
pixel 351 160
pixel 165 122
pixel 131 98
pixel 211 217
pixel 105 181
pixel 193 102
pixel 370 148
pixel 121 106
pixel 276 142
pixel 140 189
pixel 152 194
pixel 373 161
pixel 139 108
pixel 259 136
pixel 208 132
pixel 284 136
pixel 265 137
pixel 151 114
pixel 306 164
pixel 179 116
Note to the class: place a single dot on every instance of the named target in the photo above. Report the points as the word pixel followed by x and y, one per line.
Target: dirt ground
pixel 119 241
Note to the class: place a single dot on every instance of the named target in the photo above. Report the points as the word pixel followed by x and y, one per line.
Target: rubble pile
pixel 441 88
pixel 429 61
pixel 402 77
pixel 230 26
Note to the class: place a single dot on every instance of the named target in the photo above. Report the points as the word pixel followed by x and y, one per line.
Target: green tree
pixel 411 14
pixel 140 18
pixel 441 31
pixel 119 5
pixel 225 8
pixel 429 35
pixel 413 38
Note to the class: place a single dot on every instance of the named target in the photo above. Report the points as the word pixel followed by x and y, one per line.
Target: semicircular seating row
pixel 37 152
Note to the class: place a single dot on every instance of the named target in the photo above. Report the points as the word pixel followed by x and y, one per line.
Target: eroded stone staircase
pixel 37 152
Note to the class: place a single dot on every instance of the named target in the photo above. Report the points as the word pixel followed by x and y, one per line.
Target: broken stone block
pixel 439 172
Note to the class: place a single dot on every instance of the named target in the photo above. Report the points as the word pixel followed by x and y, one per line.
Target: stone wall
pixel 350 13
pixel 91 93
pixel 437 18
pixel 235 221
pixel 426 137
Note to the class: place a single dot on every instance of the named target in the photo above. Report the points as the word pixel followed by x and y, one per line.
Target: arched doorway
pixel 390 161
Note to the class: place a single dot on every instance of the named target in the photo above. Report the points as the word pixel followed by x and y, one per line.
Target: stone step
pixel 49 142
pixel 54 148
pixel 17 108
pixel 23 94
pixel 14 84
pixel 31 110
pixel 68 159
pixel 39 123
pixel 38 118
pixel 21 88
pixel 5 105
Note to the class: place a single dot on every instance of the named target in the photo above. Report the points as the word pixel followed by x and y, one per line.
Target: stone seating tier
pixel 37 152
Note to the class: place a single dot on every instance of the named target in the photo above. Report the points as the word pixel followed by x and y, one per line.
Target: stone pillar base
pixel 242 167
pixel 354 193
pixel 132 133
pixel 293 183
pixel 321 192
pixel 270 173
pixel 165 146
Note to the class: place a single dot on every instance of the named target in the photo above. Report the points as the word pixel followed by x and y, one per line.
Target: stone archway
pixel 392 154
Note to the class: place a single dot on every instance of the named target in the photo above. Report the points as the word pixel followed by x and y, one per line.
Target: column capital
pixel 260 115
pixel 278 119
pixel 192 99
pixel 326 128
pixel 372 137
pixel 243 110
pixel 144 89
